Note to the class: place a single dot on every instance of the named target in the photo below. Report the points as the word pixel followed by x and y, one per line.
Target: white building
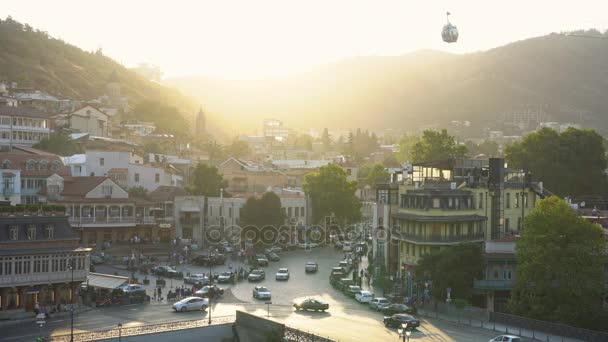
pixel 23 126
pixel 274 128
pixel 10 183
pixel 140 128
pixel 131 165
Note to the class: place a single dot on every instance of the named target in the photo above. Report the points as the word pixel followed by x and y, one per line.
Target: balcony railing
pixel 496 285
pixel 113 220
pixel 8 191
pixel 41 278
pixel 436 238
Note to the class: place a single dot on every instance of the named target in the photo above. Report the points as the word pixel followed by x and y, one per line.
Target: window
pixel 517 200
pixel 18 265
pixel 102 161
pixel 525 199
pixel 14 233
pixel 302 211
pixel 480 203
pixel 289 212
pixel 137 178
pixel 506 224
pixel 297 213
pixel 157 178
pixel 107 190
pixel 508 201
pixel 45 263
pixel 31 232
pixel 26 265
pixel 49 232
pixel 436 203
pixel 37 264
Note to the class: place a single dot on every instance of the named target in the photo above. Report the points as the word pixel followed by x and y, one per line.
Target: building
pixel 100 210
pixel 10 183
pixel 164 209
pixel 23 126
pixel 445 203
pixel 43 101
pixel 125 167
pixel 499 273
pixel 273 128
pixel 140 128
pixel 245 177
pixel 34 168
pixel 36 251
pixel 89 119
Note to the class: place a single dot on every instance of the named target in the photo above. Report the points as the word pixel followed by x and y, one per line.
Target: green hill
pixel 34 59
pixel 565 76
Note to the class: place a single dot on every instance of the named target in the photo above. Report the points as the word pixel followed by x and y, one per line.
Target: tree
pixel 454 267
pixel 138 191
pixel 391 161
pixel 332 194
pixel 487 147
pixel 238 149
pixel 406 145
pixel 575 155
pixel 216 150
pixel 437 145
pixel 262 218
pixel 560 260
pixel 164 116
pixel 60 144
pixel 206 181
pixel 377 174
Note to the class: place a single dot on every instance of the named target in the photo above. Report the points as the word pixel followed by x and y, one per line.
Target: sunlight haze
pixel 257 39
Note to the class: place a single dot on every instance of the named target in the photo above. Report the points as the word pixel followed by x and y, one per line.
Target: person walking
pixel 160 294
pixel 154 293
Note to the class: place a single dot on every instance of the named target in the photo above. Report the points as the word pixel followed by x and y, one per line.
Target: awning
pixel 105 281
pixel 190 209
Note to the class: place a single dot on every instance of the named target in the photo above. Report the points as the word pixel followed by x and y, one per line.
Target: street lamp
pixel 404 332
pixel 119 331
pixel 71 268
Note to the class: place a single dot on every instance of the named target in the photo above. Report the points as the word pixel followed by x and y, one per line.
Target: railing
pixel 292 334
pixel 8 191
pixel 146 220
pixel 41 278
pixel 144 329
pixel 493 284
pixel 101 220
pixel 435 238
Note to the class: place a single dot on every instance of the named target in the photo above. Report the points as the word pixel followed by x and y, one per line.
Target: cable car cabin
pixel 449 33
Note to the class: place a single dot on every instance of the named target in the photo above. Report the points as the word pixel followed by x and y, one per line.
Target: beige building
pixel 89 119
pixel 245 177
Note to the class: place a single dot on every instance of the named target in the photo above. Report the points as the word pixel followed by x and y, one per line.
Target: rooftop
pixel 23 112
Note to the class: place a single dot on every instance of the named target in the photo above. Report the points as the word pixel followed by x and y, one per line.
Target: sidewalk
pixel 80 308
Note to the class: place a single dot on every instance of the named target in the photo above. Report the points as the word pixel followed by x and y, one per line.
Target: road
pixel 346 320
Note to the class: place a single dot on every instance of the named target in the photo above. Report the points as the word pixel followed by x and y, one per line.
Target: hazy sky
pixel 260 38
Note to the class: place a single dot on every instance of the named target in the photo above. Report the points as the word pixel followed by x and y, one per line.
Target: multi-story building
pixel 34 168
pixel 499 273
pixel 10 184
pixel 126 168
pixel 89 119
pixel 273 128
pixel 445 203
pixel 100 210
pixel 248 178
pixel 23 126
pixel 164 208
pixel 40 261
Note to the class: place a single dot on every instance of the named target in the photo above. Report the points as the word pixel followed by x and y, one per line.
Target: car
pixel 338 269
pixel 96 260
pixel 311 304
pixel 166 271
pixel 191 303
pixel 506 338
pixel 197 279
pixel 392 309
pixel 256 275
pixel 225 247
pixel 261 260
pixel 347 246
pixel 225 277
pixel 209 259
pixel 272 256
pixel 261 292
pixel 345 265
pixel 209 291
pixel 344 283
pixel 282 274
pixel 352 290
pixel 275 249
pixel 397 320
pixel 364 297
pixel 379 303
pixel 127 288
pixel 311 267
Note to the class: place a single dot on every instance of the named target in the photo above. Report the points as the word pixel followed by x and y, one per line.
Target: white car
pixel 260 292
pixel 347 246
pixel 379 303
pixel 197 279
pixel 191 303
pixel 506 338
pixel 225 277
pixel 282 274
pixel 364 297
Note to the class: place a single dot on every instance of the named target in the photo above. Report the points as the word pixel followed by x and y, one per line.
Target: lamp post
pixel 209 293
pixel 71 268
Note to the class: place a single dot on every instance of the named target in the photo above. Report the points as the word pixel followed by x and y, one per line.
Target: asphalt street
pixel 346 319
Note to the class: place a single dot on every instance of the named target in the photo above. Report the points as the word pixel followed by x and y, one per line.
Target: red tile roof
pixel 18 161
pixel 80 186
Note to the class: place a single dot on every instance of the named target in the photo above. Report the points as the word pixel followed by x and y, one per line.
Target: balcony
pixel 493 285
pixel 8 191
pixel 41 278
pixel 105 221
pixel 436 239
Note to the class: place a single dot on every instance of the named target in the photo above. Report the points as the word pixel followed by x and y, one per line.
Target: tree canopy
pixel 569 164
pixel 263 211
pixel 206 181
pixel 166 118
pixel 238 149
pixel 376 174
pixel 406 146
pixel 361 144
pixel 560 261
pixel 331 193
pixel 437 145
pixel 487 147
pixel 454 267
pixel 60 144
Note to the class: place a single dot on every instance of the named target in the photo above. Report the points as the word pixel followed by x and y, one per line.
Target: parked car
pixel 96 260
pixel 225 247
pixel 166 271
pixel 256 275
pixel 261 260
pixel 338 269
pixel 397 320
pixel 379 303
pixel 364 297
pixel 209 291
pixel 335 278
pixel 191 303
pixel 282 274
pixel 506 338
pixel 272 256
pixel 392 309
pixel 209 259
pixel 344 283
pixel 311 267
pixel 311 304
pixel 197 279
pixel 225 277
pixel 128 288
pixel 261 292
pixel 345 265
